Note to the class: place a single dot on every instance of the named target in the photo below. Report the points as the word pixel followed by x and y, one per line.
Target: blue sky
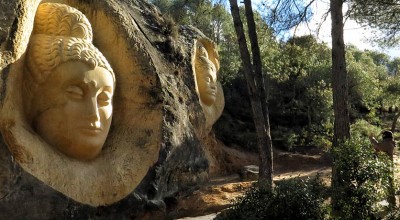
pixel 353 33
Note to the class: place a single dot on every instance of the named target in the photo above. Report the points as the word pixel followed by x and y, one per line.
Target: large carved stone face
pixel 75 109
pixel 206 77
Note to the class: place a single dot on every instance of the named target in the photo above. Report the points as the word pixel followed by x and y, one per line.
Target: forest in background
pixel 330 98
pixel 298 72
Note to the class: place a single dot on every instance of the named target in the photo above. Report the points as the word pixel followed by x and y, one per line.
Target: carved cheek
pixel 204 78
pixel 75 109
pixel 214 76
pixel 105 114
pixel 209 82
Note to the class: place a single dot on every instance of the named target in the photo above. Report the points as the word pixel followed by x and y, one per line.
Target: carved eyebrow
pixel 92 83
pixel 108 89
pixel 213 68
pixel 106 95
pixel 75 89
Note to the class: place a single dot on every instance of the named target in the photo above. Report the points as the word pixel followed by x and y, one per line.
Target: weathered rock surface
pixel 209 199
pixel 159 138
pixel 249 173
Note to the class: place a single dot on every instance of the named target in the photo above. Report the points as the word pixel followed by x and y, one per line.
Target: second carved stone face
pixel 206 77
pixel 75 109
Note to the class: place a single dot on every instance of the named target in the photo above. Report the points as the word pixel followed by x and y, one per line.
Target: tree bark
pixel 394 123
pixel 339 76
pixel 255 96
pixel 266 165
pixel 340 91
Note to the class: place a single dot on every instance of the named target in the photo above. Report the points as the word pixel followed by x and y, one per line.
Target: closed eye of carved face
pixel 104 98
pixel 77 103
pixel 75 92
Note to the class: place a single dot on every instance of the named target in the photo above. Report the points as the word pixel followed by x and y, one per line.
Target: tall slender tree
pixel 339 75
pixel 256 87
pixel 339 89
pixel 266 165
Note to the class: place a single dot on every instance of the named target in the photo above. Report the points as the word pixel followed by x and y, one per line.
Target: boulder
pixel 156 143
pixel 249 173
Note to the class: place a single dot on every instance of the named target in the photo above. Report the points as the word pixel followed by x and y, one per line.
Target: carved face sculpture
pixel 75 106
pixel 69 83
pixel 60 101
pixel 206 76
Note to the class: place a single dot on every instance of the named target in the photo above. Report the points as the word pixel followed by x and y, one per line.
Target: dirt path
pixel 221 191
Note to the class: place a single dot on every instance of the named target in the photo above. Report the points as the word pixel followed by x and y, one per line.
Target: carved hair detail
pixel 207 49
pixel 203 60
pixel 203 63
pixel 47 52
pixel 62 20
pixel 201 50
pixel 61 34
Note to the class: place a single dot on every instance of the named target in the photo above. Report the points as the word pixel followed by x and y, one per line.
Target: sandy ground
pixel 205 217
pixel 207 200
pixel 220 192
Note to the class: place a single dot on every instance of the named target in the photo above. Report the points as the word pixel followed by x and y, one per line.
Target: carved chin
pixel 208 98
pixel 86 151
pixel 78 148
pixel 74 143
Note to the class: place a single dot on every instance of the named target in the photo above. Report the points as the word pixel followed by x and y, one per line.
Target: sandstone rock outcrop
pixel 155 146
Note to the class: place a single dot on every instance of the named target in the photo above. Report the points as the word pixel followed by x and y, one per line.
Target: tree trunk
pixel 339 89
pixel 266 166
pixel 339 76
pixel 255 96
pixel 394 123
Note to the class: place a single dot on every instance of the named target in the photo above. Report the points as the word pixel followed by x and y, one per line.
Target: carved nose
pixel 95 124
pixel 92 112
pixel 213 87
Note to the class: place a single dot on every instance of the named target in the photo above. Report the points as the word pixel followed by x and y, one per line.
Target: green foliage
pixel 284 138
pixel 363 179
pixel 290 199
pixel 288 14
pixel 379 14
pixel 391 92
pixel 298 72
pixel 362 128
pixel 393 66
pixel 366 72
pixel 300 90
pixel 393 215
pixel 229 50
pixel 320 135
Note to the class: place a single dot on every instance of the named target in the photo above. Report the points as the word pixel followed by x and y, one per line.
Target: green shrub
pixel 393 215
pixel 289 138
pixel 363 179
pixel 290 199
pixel 362 128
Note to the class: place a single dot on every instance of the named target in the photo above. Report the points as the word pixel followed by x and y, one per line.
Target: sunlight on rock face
pixel 205 63
pixel 95 133
pixel 64 119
